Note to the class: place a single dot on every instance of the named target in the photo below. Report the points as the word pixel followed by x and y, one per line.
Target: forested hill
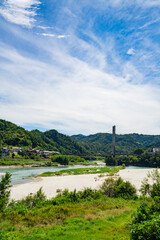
pixel 127 143
pixel 13 135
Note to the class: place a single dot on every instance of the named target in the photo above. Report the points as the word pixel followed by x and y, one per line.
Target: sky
pixel 81 66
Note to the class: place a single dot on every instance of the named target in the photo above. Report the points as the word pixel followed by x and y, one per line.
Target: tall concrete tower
pixel 113 141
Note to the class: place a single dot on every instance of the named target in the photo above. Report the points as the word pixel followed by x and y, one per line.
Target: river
pixel 25 174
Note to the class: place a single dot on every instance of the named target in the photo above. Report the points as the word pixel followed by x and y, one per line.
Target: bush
pixel 118 188
pixel 17 207
pixel 108 187
pixel 34 200
pixel 74 196
pixel 4 190
pixel 67 159
pixel 62 159
pixel 151 189
pixel 146 222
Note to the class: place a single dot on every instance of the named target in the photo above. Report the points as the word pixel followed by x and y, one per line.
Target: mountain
pixel 100 143
pixel 13 135
pixel 127 143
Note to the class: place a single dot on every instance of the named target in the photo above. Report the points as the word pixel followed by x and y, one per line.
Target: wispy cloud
pixel 84 99
pixel 21 12
pixel 87 82
pixel 147 24
pixel 53 35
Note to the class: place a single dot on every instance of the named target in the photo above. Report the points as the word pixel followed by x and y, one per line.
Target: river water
pixel 25 174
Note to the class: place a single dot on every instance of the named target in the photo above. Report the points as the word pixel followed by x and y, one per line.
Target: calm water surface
pixel 23 175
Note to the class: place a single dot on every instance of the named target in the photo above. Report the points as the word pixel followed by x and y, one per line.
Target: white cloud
pixel 21 12
pixel 82 99
pixel 53 35
pixel 76 86
pixel 48 34
pixel 131 51
pixel 61 36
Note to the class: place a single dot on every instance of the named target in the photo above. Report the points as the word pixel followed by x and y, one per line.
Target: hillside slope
pixel 13 135
pixel 127 143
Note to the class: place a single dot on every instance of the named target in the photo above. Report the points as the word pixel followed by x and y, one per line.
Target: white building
pixel 156 150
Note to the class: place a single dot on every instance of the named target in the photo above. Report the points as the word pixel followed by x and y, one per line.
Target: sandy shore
pixel 2 174
pixel 71 182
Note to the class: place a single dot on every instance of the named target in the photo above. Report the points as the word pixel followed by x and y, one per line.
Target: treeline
pixel 101 143
pixel 142 160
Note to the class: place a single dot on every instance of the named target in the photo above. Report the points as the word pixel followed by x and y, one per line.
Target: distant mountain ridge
pixel 13 135
pixel 52 140
pixel 127 143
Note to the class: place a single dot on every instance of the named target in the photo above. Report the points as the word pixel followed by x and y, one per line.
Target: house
pixel 15 150
pixel 47 153
pixel 5 152
pixel 156 150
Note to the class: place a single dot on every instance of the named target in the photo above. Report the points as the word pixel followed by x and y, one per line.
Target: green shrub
pixel 74 196
pixel 62 159
pixel 67 159
pixel 35 200
pixel 17 207
pixel 118 188
pixel 124 189
pixel 146 221
pixel 4 190
pixel 151 189
pixel 108 187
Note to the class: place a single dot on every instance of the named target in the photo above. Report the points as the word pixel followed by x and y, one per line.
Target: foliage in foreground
pixel 86 214
pixel 74 215
pixel 118 188
pixel 151 185
pixel 146 221
pixel 4 190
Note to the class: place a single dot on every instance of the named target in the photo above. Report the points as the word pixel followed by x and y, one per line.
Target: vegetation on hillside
pixel 101 143
pixel 13 135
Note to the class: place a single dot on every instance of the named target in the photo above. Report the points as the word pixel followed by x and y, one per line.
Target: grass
pixel 98 219
pixel 21 161
pixel 78 171
pixel 8 161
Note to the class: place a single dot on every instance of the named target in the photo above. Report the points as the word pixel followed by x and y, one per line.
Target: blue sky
pixel 81 66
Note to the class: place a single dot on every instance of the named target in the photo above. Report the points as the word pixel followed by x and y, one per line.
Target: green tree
pixel 151 188
pixel 118 188
pixel 4 190
pixel 138 151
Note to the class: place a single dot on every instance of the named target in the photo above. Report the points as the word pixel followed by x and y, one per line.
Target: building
pixel 5 152
pixel 47 153
pixel 156 150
